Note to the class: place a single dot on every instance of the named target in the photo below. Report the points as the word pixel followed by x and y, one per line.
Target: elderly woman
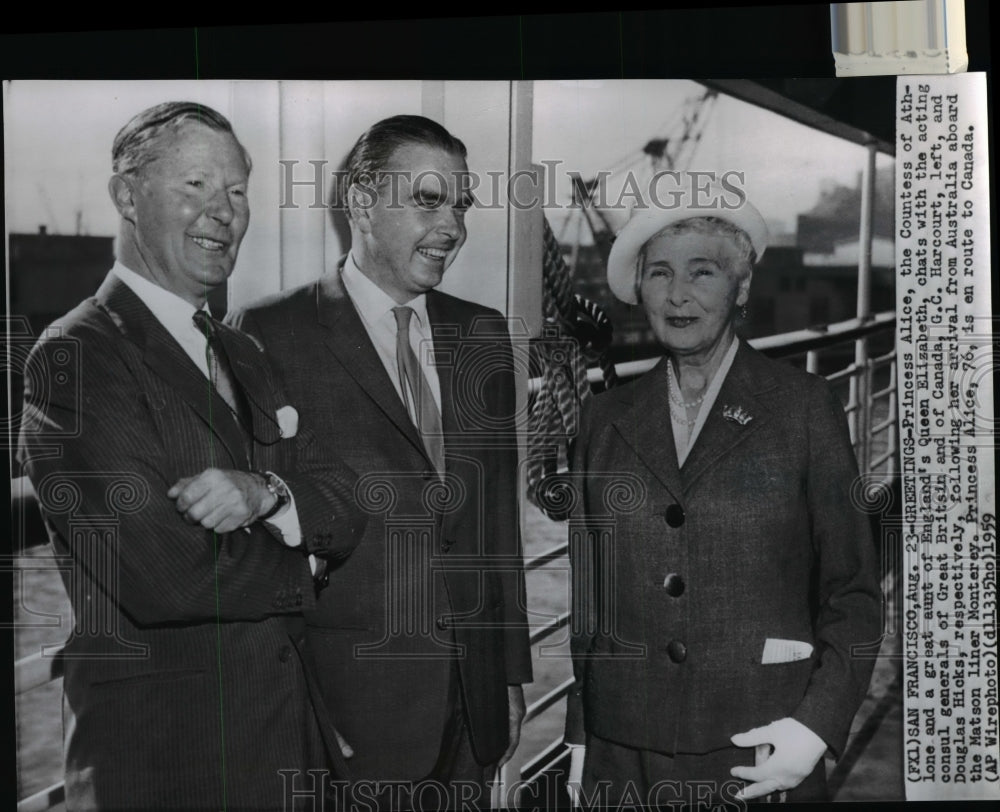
pixel 717 608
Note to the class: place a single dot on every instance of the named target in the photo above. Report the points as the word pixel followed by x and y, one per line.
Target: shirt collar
pixel 372 302
pixel 711 394
pixel 173 312
pixel 727 362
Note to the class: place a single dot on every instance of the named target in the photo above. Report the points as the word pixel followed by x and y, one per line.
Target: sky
pixel 593 124
pixel 57 149
pixel 57 140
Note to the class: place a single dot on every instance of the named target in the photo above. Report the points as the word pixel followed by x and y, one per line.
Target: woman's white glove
pixel 797 751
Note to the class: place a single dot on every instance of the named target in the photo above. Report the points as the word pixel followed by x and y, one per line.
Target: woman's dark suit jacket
pixel 687 572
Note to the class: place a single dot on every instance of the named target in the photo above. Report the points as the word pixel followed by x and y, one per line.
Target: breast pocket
pixel 147 678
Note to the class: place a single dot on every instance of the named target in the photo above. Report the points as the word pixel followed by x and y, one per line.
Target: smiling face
pixel 414 224
pixel 690 288
pixel 185 211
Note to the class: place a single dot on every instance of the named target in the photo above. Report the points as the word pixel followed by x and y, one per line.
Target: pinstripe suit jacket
pixel 436 566
pixel 183 685
pixel 760 527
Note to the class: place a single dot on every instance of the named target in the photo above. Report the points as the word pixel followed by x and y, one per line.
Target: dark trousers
pixel 457 780
pixel 615 775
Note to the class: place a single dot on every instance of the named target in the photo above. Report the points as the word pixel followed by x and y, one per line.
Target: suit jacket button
pixel 446 545
pixel 674 515
pixel 674 585
pixel 677 651
pixel 285 654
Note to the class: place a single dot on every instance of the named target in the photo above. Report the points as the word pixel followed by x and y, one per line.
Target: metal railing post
pixel 861 380
pixel 498 799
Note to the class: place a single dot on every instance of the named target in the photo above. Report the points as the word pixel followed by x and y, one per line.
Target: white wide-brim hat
pixel 691 195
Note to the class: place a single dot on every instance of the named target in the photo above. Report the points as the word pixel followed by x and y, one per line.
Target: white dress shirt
pixel 175 314
pixel 375 306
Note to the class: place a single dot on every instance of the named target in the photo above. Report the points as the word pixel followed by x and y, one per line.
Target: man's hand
pixel 797 750
pixel 515 703
pixel 574 782
pixel 222 501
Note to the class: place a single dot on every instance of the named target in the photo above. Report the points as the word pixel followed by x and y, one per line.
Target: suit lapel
pixel 722 433
pixel 645 426
pixel 438 316
pixel 252 375
pixel 165 358
pixel 348 341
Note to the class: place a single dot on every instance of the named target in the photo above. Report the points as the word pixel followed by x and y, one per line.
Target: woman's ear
pixel 639 263
pixel 744 289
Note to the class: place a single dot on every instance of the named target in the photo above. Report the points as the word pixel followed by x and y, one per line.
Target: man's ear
pixel 359 202
pixel 122 196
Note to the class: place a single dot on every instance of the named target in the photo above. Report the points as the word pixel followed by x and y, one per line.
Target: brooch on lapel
pixel 736 414
pixel 288 421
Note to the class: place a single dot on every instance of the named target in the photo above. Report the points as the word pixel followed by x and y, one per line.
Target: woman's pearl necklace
pixel 680 403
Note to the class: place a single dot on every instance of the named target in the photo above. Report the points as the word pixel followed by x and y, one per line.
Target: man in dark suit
pixel 151 435
pixel 420 639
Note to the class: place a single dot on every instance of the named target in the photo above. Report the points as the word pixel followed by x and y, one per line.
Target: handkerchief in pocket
pixel 288 421
pixel 784 651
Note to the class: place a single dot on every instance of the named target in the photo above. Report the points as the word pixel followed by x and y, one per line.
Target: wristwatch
pixel 276 486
